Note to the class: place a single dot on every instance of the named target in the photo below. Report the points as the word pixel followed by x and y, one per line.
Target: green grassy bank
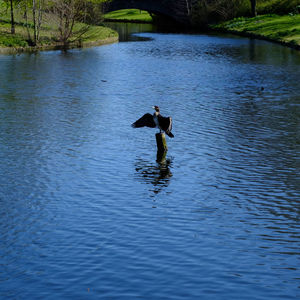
pixel 280 29
pixel 129 15
pixel 84 35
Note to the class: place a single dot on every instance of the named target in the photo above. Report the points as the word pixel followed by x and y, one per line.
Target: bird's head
pixel 156 108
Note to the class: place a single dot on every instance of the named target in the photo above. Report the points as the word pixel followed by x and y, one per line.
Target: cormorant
pixel 155 120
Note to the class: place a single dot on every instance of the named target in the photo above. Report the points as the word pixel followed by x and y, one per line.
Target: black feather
pixel 145 120
pixel 165 123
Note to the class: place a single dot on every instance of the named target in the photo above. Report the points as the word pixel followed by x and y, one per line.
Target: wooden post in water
pixel 161 157
pixel 162 147
pixel 161 142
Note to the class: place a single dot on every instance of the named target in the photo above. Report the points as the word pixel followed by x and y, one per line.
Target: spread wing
pixel 165 124
pixel 145 120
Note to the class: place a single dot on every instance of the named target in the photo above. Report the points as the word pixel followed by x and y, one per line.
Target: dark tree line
pixel 253 8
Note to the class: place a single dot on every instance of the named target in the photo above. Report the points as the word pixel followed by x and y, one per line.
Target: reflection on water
pixel 126 30
pixel 158 174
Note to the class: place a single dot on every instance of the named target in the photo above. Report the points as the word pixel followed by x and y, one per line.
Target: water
pixel 86 212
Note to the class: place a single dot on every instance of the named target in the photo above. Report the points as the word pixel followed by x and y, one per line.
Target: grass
pixel 94 33
pixel 284 29
pixel 132 15
pixel 9 40
pixel 49 35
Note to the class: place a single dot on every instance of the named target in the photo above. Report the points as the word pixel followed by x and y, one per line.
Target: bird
pixel 155 121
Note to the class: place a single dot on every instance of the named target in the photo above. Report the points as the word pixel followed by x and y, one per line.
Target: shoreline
pixel 256 36
pixel 58 46
pixel 226 27
pixel 282 30
pixel 240 31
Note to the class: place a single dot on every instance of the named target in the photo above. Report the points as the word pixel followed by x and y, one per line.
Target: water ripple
pixel 86 210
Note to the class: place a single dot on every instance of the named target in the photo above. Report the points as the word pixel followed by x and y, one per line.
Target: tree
pixel 34 22
pixel 188 7
pixel 36 7
pixel 37 12
pixel 67 13
pixel 10 3
pixel 253 8
pixel 12 17
pixel 211 11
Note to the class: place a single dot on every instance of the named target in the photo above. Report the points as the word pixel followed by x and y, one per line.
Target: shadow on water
pixel 158 174
pixel 125 30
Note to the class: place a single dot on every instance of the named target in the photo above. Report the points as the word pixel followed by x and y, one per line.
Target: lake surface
pixel 86 211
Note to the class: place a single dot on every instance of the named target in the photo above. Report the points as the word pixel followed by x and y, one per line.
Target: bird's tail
pixel 170 134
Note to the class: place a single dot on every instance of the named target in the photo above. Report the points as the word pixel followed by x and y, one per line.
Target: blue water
pixel 86 212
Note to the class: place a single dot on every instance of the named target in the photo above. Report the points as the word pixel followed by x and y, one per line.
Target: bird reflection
pixel 156 174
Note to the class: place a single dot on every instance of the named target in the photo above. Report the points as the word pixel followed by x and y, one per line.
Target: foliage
pixel 279 7
pixel 50 25
pixel 212 11
pixel 8 40
pixel 68 12
pixel 3 6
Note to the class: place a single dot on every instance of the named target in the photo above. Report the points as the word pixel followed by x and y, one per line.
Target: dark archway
pixel 179 10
